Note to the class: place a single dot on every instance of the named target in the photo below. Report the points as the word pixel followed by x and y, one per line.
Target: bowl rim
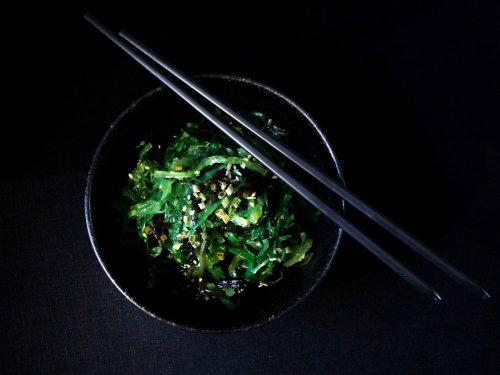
pixel 88 207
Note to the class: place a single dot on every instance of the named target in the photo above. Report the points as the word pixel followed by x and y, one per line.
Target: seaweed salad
pixel 208 208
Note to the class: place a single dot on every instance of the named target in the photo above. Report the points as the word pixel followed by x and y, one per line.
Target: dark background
pixel 408 94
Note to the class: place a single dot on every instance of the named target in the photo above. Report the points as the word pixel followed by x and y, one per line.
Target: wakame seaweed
pixel 209 208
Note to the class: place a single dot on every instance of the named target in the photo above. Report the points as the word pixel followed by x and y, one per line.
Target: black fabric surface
pixel 409 97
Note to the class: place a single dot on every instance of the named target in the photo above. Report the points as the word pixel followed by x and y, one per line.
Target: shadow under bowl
pixel 157 116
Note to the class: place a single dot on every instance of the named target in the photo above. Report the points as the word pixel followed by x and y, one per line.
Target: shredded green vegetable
pixel 215 212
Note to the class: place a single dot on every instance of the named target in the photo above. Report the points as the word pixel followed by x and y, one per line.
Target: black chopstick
pixel 334 186
pixel 315 201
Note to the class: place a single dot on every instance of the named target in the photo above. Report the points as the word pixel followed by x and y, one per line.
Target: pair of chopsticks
pixel 156 65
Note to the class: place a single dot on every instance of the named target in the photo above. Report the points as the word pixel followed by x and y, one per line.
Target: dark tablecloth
pixel 409 97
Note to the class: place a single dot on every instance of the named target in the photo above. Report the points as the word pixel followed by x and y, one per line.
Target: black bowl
pixel 157 116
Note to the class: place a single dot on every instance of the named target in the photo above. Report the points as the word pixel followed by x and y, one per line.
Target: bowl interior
pixel 157 116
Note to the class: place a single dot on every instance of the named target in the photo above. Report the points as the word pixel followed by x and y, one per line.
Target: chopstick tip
pixel 437 297
pixel 485 294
